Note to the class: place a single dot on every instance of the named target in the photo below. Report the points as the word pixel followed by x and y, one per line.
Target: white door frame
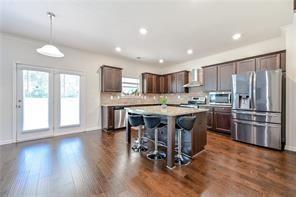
pixel 36 133
pixel 55 89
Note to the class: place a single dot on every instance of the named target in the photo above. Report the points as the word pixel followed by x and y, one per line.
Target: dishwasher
pixel 119 117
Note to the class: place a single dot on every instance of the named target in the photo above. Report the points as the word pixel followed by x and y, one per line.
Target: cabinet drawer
pixel 223 109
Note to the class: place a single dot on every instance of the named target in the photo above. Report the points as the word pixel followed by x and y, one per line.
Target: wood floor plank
pixel 102 164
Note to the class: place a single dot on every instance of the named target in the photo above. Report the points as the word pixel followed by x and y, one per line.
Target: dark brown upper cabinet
pixel 149 83
pixel 111 79
pixel 269 62
pixel 172 83
pixel 246 66
pixel 169 83
pixel 225 72
pixel 182 79
pixel 210 78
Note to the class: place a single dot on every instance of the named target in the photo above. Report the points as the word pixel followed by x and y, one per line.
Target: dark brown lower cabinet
pixel 219 119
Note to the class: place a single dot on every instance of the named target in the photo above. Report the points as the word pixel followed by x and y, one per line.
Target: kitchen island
pixel 198 133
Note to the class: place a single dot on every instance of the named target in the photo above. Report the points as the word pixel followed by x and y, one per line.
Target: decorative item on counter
pixel 163 101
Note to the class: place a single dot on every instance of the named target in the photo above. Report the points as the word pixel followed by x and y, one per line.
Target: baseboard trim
pixel 290 148
pixel 3 142
pixel 93 128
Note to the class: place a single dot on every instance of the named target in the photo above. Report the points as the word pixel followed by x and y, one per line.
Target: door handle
pixel 256 123
pixel 256 114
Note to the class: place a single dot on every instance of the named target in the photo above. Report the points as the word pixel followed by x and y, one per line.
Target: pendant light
pixel 50 49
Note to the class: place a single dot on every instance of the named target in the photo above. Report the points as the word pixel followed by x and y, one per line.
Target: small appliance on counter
pixel 195 102
pixel 257 110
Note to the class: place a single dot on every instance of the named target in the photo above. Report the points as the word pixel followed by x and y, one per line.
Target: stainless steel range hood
pixel 196 78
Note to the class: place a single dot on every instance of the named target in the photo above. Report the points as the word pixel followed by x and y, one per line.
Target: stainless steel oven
pixel 220 98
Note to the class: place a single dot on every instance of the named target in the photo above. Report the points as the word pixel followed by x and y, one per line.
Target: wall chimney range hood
pixel 196 78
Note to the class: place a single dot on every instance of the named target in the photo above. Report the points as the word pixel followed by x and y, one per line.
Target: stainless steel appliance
pixel 119 117
pixel 220 98
pixel 196 78
pixel 257 108
pixel 195 102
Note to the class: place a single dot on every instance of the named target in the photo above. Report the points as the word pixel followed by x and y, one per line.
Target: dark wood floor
pixel 101 164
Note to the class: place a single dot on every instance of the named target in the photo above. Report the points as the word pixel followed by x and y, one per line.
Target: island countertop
pixel 168 111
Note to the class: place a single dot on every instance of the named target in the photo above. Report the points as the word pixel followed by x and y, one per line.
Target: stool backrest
pixel 135 120
pixel 186 122
pixel 152 122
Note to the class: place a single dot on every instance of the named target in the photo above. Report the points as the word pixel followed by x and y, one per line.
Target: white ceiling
pixel 206 26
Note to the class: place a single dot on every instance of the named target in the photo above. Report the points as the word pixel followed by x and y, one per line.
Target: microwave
pixel 220 98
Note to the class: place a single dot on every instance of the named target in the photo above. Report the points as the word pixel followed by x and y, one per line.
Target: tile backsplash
pixel 117 98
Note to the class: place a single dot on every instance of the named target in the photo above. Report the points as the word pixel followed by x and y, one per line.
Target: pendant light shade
pixel 49 49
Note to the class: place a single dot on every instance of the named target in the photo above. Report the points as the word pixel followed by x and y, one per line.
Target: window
pixel 130 86
pixel 70 100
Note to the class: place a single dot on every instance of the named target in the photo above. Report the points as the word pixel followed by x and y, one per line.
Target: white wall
pixel 259 48
pixel 290 33
pixel 15 49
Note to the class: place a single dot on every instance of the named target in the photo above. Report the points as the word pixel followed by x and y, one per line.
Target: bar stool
pixel 154 122
pixel 137 121
pixel 184 123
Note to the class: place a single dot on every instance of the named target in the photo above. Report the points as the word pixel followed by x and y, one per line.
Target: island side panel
pixel 127 128
pixel 199 133
pixel 171 141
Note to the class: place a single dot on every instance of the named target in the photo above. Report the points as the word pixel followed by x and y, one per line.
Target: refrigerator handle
pixel 254 91
pixel 251 90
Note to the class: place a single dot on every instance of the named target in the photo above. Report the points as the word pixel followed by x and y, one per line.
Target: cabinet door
pixel 269 62
pixel 210 121
pixel 210 78
pixel 245 66
pixel 172 83
pixel 225 72
pixel 114 85
pixel 156 84
pixel 182 79
pixel 161 84
pixel 147 83
pixel 165 84
pixel 222 122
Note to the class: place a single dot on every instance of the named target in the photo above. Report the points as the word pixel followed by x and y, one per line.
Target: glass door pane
pixel 35 100
pixel 69 100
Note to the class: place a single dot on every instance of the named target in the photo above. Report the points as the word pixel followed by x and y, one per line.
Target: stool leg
pixel 137 145
pixel 156 155
pixel 180 159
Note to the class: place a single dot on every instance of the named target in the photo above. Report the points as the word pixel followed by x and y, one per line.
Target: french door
pixel 48 102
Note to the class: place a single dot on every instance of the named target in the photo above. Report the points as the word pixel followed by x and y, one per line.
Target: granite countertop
pixel 137 104
pixel 168 111
pixel 126 105
pixel 208 105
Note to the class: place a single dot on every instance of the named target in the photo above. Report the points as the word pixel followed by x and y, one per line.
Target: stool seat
pixel 154 122
pixel 183 123
pixel 137 121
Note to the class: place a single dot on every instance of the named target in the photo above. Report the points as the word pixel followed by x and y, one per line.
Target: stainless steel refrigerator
pixel 257 110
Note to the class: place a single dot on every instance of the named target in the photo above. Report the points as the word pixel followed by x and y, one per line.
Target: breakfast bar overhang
pixel 198 133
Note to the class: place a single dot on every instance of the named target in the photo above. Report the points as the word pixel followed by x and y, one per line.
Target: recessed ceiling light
pixel 236 36
pixel 143 31
pixel 189 51
pixel 118 49
pixel 161 61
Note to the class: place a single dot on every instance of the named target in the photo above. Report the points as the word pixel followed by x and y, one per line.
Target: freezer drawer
pixel 267 117
pixel 262 134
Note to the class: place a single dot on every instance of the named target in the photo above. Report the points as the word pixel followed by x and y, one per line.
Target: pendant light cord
pixel 51 15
